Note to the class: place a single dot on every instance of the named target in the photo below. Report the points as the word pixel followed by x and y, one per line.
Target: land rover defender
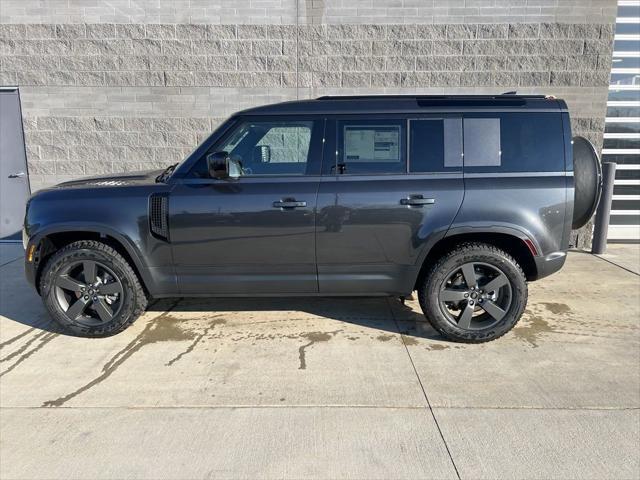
pixel 463 199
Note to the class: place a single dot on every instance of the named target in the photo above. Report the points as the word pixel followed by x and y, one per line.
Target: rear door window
pixel 370 147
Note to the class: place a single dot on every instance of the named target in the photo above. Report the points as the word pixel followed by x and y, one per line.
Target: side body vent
pixel 158 216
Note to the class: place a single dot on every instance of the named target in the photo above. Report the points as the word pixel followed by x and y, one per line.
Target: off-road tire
pixel 429 289
pixel 134 299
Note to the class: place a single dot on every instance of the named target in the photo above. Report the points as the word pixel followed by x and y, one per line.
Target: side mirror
pixel 221 166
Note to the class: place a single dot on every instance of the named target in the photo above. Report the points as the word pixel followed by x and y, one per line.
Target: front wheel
pixel 91 290
pixel 475 293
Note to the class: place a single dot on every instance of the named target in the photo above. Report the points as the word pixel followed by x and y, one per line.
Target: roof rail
pixel 426 97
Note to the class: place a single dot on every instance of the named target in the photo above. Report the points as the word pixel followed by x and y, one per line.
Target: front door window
pixel 270 148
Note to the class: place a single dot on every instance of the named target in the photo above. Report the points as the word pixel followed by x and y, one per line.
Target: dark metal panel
pixel 228 236
pixel 368 240
pixel 120 212
pixel 534 205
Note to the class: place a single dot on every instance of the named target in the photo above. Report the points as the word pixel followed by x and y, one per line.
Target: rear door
pixel 254 235
pixel 391 187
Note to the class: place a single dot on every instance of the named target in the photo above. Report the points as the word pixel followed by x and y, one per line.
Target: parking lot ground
pixel 326 388
pixel 624 255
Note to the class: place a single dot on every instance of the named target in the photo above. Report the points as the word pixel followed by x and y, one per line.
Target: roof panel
pixel 398 104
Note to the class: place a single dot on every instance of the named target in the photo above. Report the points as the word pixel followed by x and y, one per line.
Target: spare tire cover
pixel 587 173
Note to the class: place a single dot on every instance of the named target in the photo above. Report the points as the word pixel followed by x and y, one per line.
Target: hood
pixel 119 180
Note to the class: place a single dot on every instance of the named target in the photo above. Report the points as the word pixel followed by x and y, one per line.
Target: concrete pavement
pixel 624 255
pixel 326 388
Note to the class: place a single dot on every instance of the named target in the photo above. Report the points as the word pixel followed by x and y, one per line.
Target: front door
pixel 14 176
pixel 254 235
pixel 391 188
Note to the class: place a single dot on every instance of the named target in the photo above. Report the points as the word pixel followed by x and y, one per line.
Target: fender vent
pixel 158 211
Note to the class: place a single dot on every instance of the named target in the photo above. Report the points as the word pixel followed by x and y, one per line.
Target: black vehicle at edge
pixel 462 198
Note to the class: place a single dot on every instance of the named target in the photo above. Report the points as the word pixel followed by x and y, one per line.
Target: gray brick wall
pixel 327 55
pixel 306 11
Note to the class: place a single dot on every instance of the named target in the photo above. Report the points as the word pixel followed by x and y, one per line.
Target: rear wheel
pixel 91 290
pixel 475 293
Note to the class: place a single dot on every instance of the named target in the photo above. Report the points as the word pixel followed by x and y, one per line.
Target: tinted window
pixel 370 146
pixel 622 111
pixel 623 127
pixel 482 142
pixel 625 95
pixel 532 142
pixel 514 142
pixel 435 144
pixel 266 147
pixel 630 159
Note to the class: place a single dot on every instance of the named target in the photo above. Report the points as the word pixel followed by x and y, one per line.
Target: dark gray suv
pixel 462 198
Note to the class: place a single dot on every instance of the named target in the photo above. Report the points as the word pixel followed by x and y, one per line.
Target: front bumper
pixel 549 264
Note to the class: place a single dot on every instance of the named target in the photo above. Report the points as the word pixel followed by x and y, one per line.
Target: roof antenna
pixel 512 92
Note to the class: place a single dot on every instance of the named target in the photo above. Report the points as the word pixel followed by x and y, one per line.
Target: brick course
pixel 265 55
pixel 308 11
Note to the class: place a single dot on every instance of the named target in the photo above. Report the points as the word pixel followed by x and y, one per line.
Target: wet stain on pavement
pixel 24 347
pixel 24 352
pixel 410 341
pixel 164 328
pixel 438 346
pixel 167 330
pixel 534 326
pixel 557 308
pixel 313 337
pixel 17 337
pixel 195 340
pixel 384 338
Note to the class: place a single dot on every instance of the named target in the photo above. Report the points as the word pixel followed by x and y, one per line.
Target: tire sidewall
pixel 457 258
pixel 61 260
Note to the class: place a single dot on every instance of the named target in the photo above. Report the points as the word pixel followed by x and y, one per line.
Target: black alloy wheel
pixel 475 296
pixel 91 290
pixel 88 292
pixel 474 293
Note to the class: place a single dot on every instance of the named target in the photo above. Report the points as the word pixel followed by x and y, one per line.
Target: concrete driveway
pixel 326 388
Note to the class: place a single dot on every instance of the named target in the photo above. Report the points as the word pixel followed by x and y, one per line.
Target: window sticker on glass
pixel 371 143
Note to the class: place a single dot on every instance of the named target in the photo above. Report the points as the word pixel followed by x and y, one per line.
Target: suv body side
pixel 357 236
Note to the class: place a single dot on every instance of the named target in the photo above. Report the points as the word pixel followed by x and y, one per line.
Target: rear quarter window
pixel 526 142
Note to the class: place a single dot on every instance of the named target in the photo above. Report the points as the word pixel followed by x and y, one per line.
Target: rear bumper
pixel 549 264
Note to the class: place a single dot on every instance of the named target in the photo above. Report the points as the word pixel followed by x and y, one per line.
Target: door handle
pixel 289 204
pixel 416 201
pixel 17 175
